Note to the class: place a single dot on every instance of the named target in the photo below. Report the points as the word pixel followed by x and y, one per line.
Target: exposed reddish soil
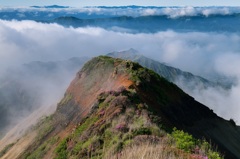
pixel 86 96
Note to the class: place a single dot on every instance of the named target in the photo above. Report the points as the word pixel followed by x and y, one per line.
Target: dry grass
pixel 149 151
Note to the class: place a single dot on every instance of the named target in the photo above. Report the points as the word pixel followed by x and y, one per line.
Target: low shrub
pixel 61 150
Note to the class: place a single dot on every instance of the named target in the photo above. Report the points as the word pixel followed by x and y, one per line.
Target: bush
pixel 214 155
pixel 6 148
pixel 142 131
pixel 183 140
pixel 189 144
pixel 61 150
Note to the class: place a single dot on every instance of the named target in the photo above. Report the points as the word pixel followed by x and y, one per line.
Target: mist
pixel 27 41
pixel 211 55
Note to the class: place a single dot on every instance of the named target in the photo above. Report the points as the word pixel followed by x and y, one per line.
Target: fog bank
pixel 205 54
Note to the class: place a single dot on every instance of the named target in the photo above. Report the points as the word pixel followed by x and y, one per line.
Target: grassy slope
pixel 110 102
pixel 119 123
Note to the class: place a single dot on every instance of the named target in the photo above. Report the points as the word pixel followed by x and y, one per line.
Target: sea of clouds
pixel 135 11
pixel 204 54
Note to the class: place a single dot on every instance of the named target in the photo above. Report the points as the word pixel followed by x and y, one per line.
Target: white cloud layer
pixel 200 53
pixel 172 12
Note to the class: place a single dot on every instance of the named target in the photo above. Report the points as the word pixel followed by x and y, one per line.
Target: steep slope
pixel 112 103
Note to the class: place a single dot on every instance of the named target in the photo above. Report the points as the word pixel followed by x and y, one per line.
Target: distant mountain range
pixel 140 19
pixel 152 24
pixel 51 6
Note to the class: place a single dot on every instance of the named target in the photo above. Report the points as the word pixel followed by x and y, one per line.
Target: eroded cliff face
pixel 110 103
pixel 97 76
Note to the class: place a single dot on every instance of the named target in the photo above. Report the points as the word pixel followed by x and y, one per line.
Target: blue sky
pixel 80 3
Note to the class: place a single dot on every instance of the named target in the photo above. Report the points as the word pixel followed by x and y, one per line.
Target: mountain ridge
pixel 54 69
pixel 107 87
pixel 171 73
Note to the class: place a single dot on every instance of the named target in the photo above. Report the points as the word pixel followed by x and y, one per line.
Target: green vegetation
pixel 43 149
pixel 6 148
pixel 61 150
pixel 44 127
pixel 95 62
pixel 138 74
pixel 85 145
pixel 188 143
pixel 107 59
pixel 149 81
pixel 121 120
pixel 66 99
pixel 103 131
pixel 42 144
pixel 103 105
pixel 183 140
pixel 85 125
pixel 142 131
